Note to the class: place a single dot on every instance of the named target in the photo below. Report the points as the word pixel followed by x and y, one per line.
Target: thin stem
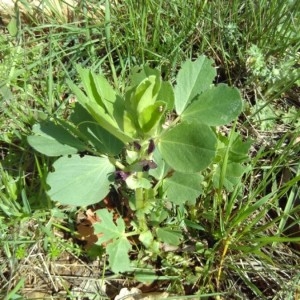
pixel 116 163
pixel 139 198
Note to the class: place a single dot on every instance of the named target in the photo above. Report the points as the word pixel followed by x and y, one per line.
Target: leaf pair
pixel 102 103
pixel 141 107
pixel 190 146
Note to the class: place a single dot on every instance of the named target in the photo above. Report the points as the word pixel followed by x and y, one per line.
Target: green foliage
pixel 94 135
pixel 54 140
pixel 215 106
pixel 105 107
pixel 115 237
pixel 191 82
pixel 80 180
pixel 255 45
pixel 273 74
pixel 186 146
pixel 182 188
pixel 169 235
pixel 231 157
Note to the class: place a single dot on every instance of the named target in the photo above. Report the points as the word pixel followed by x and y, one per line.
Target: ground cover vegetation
pixel 152 145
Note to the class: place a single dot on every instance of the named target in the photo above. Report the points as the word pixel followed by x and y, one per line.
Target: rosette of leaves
pixel 154 134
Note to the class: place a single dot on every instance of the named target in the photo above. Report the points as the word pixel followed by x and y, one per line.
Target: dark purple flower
pixel 147 165
pixel 121 175
pixel 137 146
pixel 151 147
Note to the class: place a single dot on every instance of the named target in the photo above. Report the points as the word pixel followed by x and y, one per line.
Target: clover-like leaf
pixel 119 261
pixel 113 234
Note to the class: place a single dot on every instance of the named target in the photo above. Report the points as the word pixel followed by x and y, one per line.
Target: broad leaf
pixel 99 138
pixel 145 94
pixel 188 148
pixel 12 26
pixel 166 94
pixel 150 117
pixel 146 238
pixel 89 85
pixel 108 229
pixel 130 124
pixel 238 151
pixel 216 106
pixel 148 276
pixel 193 78
pixel 98 88
pixel 162 168
pixel 54 140
pixel 113 234
pixel 112 102
pixel 119 261
pixel 194 225
pixel 233 174
pixel 169 235
pixel 181 188
pixel 98 112
pixel 138 74
pixel 80 181
pixel 133 182
pixel 158 215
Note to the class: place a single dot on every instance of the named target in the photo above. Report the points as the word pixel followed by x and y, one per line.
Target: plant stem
pixel 139 198
pixel 139 205
pixel 116 163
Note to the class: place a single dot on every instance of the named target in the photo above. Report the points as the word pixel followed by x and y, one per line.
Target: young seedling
pixel 152 143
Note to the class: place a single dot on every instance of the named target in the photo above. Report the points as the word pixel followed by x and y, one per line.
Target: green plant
pixel 255 45
pixel 273 75
pixel 139 144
